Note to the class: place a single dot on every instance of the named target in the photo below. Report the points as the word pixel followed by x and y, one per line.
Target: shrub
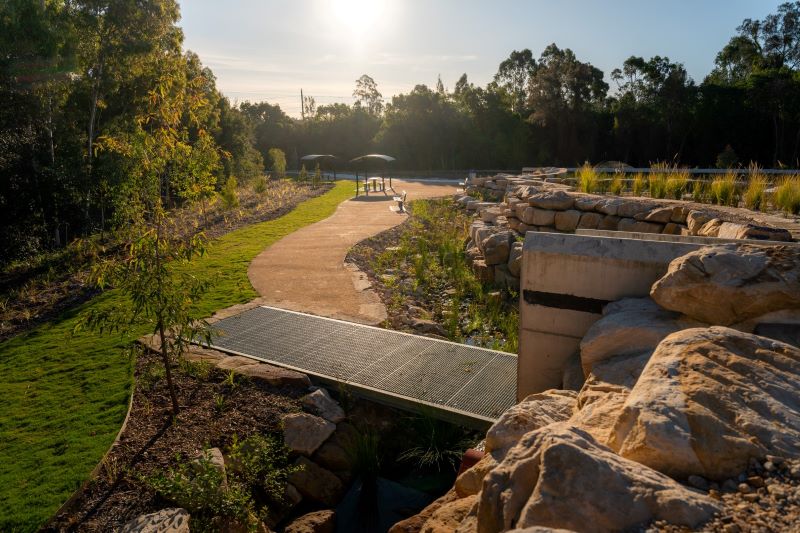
pixel 438 444
pixel 229 194
pixel 658 185
pixel 363 450
pixel 200 488
pixel 260 184
pixel 278 159
pixel 588 178
pixel 727 158
pixel 317 178
pixel 723 189
pixel 756 186
pixel 617 185
pixel 676 184
pixel 639 184
pixel 700 190
pixel 787 195
pixel 261 462
pixel 303 176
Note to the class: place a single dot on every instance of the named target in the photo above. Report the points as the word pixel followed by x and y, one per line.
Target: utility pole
pixel 302 105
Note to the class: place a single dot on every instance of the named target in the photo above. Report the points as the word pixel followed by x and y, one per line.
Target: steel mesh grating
pixel 474 381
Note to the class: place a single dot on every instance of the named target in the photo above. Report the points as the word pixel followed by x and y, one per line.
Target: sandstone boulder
pixel 660 214
pixel 414 523
pixel 567 220
pixel 629 326
pixel 603 395
pixel 609 223
pixel 448 517
pixel 695 220
pixel 470 481
pixel 316 483
pixel 321 403
pixel 274 376
pixel 304 433
pixel 558 200
pixel 588 202
pixel 484 272
pixel 163 521
pixel 496 247
pixel 610 206
pixel 732 230
pixel 590 221
pixel 560 477
pixel 731 283
pixel 708 401
pixel 316 522
pixel 535 411
pixel 631 208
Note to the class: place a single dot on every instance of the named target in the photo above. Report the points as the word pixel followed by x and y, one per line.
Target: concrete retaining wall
pixel 565 282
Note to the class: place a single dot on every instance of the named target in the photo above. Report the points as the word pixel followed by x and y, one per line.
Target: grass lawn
pixel 63 397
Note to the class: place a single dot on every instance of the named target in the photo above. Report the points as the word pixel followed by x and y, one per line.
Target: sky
pixel 271 49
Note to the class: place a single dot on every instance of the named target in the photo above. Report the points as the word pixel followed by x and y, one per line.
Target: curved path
pixel 305 271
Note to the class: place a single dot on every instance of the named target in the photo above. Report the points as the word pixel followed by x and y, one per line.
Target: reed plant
pixel 754 195
pixel 639 184
pixel 787 195
pixel 588 178
pixel 617 185
pixel 723 189
pixel 658 185
pixel 677 183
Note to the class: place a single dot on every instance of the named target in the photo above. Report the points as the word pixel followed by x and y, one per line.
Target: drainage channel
pixel 455 382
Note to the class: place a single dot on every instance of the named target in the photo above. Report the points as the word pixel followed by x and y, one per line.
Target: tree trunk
pixel 165 359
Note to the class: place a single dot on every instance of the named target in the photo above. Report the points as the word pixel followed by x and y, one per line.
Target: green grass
pixel 63 397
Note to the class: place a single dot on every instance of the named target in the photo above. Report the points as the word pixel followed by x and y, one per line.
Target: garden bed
pixel 42 288
pixel 422 275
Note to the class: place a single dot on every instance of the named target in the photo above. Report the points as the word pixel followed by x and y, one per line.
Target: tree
pixel 514 75
pixel 367 95
pixel 157 290
pixel 278 159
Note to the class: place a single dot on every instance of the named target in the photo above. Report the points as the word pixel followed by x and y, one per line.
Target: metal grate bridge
pixel 456 382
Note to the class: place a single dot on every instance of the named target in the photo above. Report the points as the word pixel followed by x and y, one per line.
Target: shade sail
pixel 376 157
pixel 315 157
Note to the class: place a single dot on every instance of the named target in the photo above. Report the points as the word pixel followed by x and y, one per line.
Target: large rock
pixel 629 326
pixel 535 411
pixel 448 517
pixel 602 397
pixel 163 521
pixel 709 400
pixel 515 259
pixel 590 221
pixel 567 220
pixel 559 477
pixel 558 200
pixel 414 523
pixel 304 433
pixel 696 219
pixel 496 247
pixel 274 376
pixel 731 283
pixel 470 481
pixel 316 483
pixel 316 522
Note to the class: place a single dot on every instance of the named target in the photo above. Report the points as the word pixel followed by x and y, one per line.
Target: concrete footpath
pixel 305 271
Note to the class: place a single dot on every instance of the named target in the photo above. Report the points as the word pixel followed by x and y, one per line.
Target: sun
pixel 358 16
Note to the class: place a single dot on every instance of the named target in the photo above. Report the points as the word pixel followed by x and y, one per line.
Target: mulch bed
pixel 152 439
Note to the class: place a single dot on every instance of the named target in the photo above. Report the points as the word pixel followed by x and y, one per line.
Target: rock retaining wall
pixel 519 204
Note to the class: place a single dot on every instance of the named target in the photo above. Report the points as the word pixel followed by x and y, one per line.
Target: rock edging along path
pixel 305 271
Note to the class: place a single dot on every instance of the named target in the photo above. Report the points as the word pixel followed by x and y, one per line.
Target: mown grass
pixel 63 397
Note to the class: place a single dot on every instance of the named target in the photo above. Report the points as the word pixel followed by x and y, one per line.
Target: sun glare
pixel 358 16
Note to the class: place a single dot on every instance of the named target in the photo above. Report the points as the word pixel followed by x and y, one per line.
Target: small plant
pixel 588 179
pixel 230 380
pixel 201 488
pixel 261 462
pixel 787 195
pixel 110 469
pixel 260 184
pixel 219 403
pixel 676 184
pixel 303 176
pixel 639 184
pixel 151 375
pixel 197 369
pixel 438 444
pixel 363 450
pixel 723 189
pixel 316 179
pixel 229 194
